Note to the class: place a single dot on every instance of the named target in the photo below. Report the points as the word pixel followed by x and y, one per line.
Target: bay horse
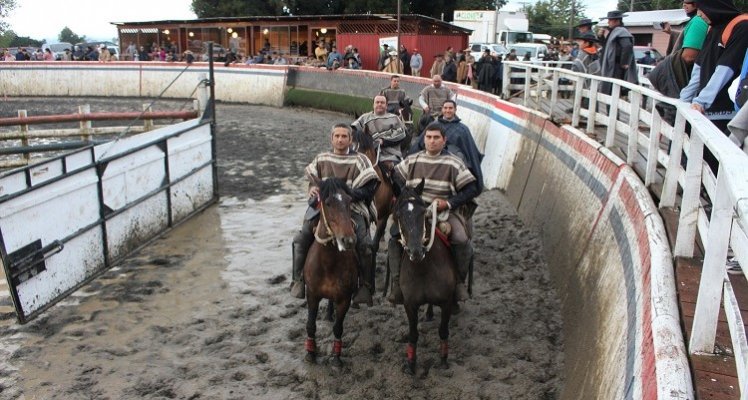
pixel 427 272
pixel 330 269
pixel 384 196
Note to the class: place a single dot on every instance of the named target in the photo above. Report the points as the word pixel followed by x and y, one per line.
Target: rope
pixel 327 227
pixel 128 127
pixel 433 225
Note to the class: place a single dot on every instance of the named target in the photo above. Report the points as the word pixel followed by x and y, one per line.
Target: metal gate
pixel 66 220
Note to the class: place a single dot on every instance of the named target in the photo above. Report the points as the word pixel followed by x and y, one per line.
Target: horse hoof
pixel 310 358
pixel 443 365
pixel 409 368
pixel 336 362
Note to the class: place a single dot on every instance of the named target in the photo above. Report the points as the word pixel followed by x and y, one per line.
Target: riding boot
pixel 394 258
pixel 363 295
pixel 301 243
pixel 463 254
pixel 299 258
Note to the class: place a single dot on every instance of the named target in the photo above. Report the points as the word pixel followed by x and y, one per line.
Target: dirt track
pixel 205 313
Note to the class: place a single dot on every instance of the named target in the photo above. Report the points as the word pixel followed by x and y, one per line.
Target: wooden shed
pixel 296 36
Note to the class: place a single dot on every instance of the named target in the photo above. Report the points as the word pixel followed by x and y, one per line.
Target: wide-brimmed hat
pixel 587 36
pixel 614 15
pixel 584 22
pixel 393 53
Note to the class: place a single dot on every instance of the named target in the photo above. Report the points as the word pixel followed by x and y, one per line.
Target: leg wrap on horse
pixel 444 350
pixel 410 352
pixel 337 347
pixel 310 346
pixel 394 258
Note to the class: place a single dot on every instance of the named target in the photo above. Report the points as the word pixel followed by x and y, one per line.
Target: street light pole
pixel 398 31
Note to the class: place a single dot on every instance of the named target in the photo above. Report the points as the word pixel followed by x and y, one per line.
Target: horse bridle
pixel 433 210
pixel 330 233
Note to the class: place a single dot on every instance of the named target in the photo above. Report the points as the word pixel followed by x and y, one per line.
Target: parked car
pixel 113 48
pixel 477 49
pixel 639 53
pixel 58 49
pixel 537 51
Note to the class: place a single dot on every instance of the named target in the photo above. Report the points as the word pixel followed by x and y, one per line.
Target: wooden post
pixel 85 125
pixel 24 134
pixel 610 134
pixel 147 123
pixel 672 173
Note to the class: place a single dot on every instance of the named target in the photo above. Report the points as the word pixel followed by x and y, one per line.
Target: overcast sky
pixel 44 19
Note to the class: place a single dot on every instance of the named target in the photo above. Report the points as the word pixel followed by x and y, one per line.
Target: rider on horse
pixel 397 98
pixel 449 183
pixel 459 141
pixel 433 97
pixel 386 128
pixel 356 170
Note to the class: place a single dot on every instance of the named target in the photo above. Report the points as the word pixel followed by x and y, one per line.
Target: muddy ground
pixel 204 312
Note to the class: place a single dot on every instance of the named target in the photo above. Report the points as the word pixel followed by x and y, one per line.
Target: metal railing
pixel 712 204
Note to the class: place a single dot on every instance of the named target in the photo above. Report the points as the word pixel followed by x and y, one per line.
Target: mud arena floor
pixel 204 312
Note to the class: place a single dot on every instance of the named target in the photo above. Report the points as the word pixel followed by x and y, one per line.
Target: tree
pixel 67 35
pixel 554 17
pixel 6 6
pixel 649 5
pixel 236 8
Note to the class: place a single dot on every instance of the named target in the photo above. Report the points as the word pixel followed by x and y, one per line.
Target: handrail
pixel 636 129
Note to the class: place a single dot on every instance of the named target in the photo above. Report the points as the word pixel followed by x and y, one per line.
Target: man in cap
pixel 584 26
pixel 357 172
pixel 394 65
pixel 618 53
pixel 588 59
pixel 383 56
pixel 416 63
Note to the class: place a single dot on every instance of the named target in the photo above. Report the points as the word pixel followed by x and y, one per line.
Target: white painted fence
pixel 635 128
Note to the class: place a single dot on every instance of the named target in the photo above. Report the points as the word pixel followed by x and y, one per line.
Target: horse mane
pixel 330 186
pixel 408 194
pixel 365 141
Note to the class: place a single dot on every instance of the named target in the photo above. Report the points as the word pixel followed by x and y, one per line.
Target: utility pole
pixel 631 7
pixel 571 19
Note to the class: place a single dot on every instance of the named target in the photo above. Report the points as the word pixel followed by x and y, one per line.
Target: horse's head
pixel 363 143
pixel 410 214
pixel 335 202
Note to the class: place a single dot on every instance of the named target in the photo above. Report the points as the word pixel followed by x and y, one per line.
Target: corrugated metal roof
pixel 647 18
pixel 348 17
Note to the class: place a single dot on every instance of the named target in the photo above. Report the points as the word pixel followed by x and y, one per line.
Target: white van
pixel 537 51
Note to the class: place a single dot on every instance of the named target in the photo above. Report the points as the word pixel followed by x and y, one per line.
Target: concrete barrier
pixel 611 261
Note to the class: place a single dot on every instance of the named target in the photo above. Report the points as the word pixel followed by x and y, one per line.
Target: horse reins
pixel 433 210
pixel 331 236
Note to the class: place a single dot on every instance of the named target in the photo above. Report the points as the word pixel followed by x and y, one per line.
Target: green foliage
pixel 553 17
pixel 236 8
pixel 649 5
pixel 243 8
pixel 67 35
pixel 6 6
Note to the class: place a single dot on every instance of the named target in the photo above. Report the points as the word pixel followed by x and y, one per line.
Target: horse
pixel 384 196
pixel 428 274
pixel 330 269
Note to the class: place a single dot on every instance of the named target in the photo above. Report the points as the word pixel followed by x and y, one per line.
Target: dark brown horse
pixel 427 273
pixel 330 270
pixel 384 197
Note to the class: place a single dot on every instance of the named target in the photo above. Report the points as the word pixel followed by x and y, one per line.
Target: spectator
pixel 416 63
pixel 438 67
pixel 718 63
pixel 104 54
pixel 143 54
pixel 449 73
pixel 189 58
pixel 394 65
pixel 320 52
pixel 66 56
pixel 618 54
pixel 334 59
pixel 405 58
pixel 48 56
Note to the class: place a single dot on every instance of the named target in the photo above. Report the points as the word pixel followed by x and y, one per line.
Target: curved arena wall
pixel 611 261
